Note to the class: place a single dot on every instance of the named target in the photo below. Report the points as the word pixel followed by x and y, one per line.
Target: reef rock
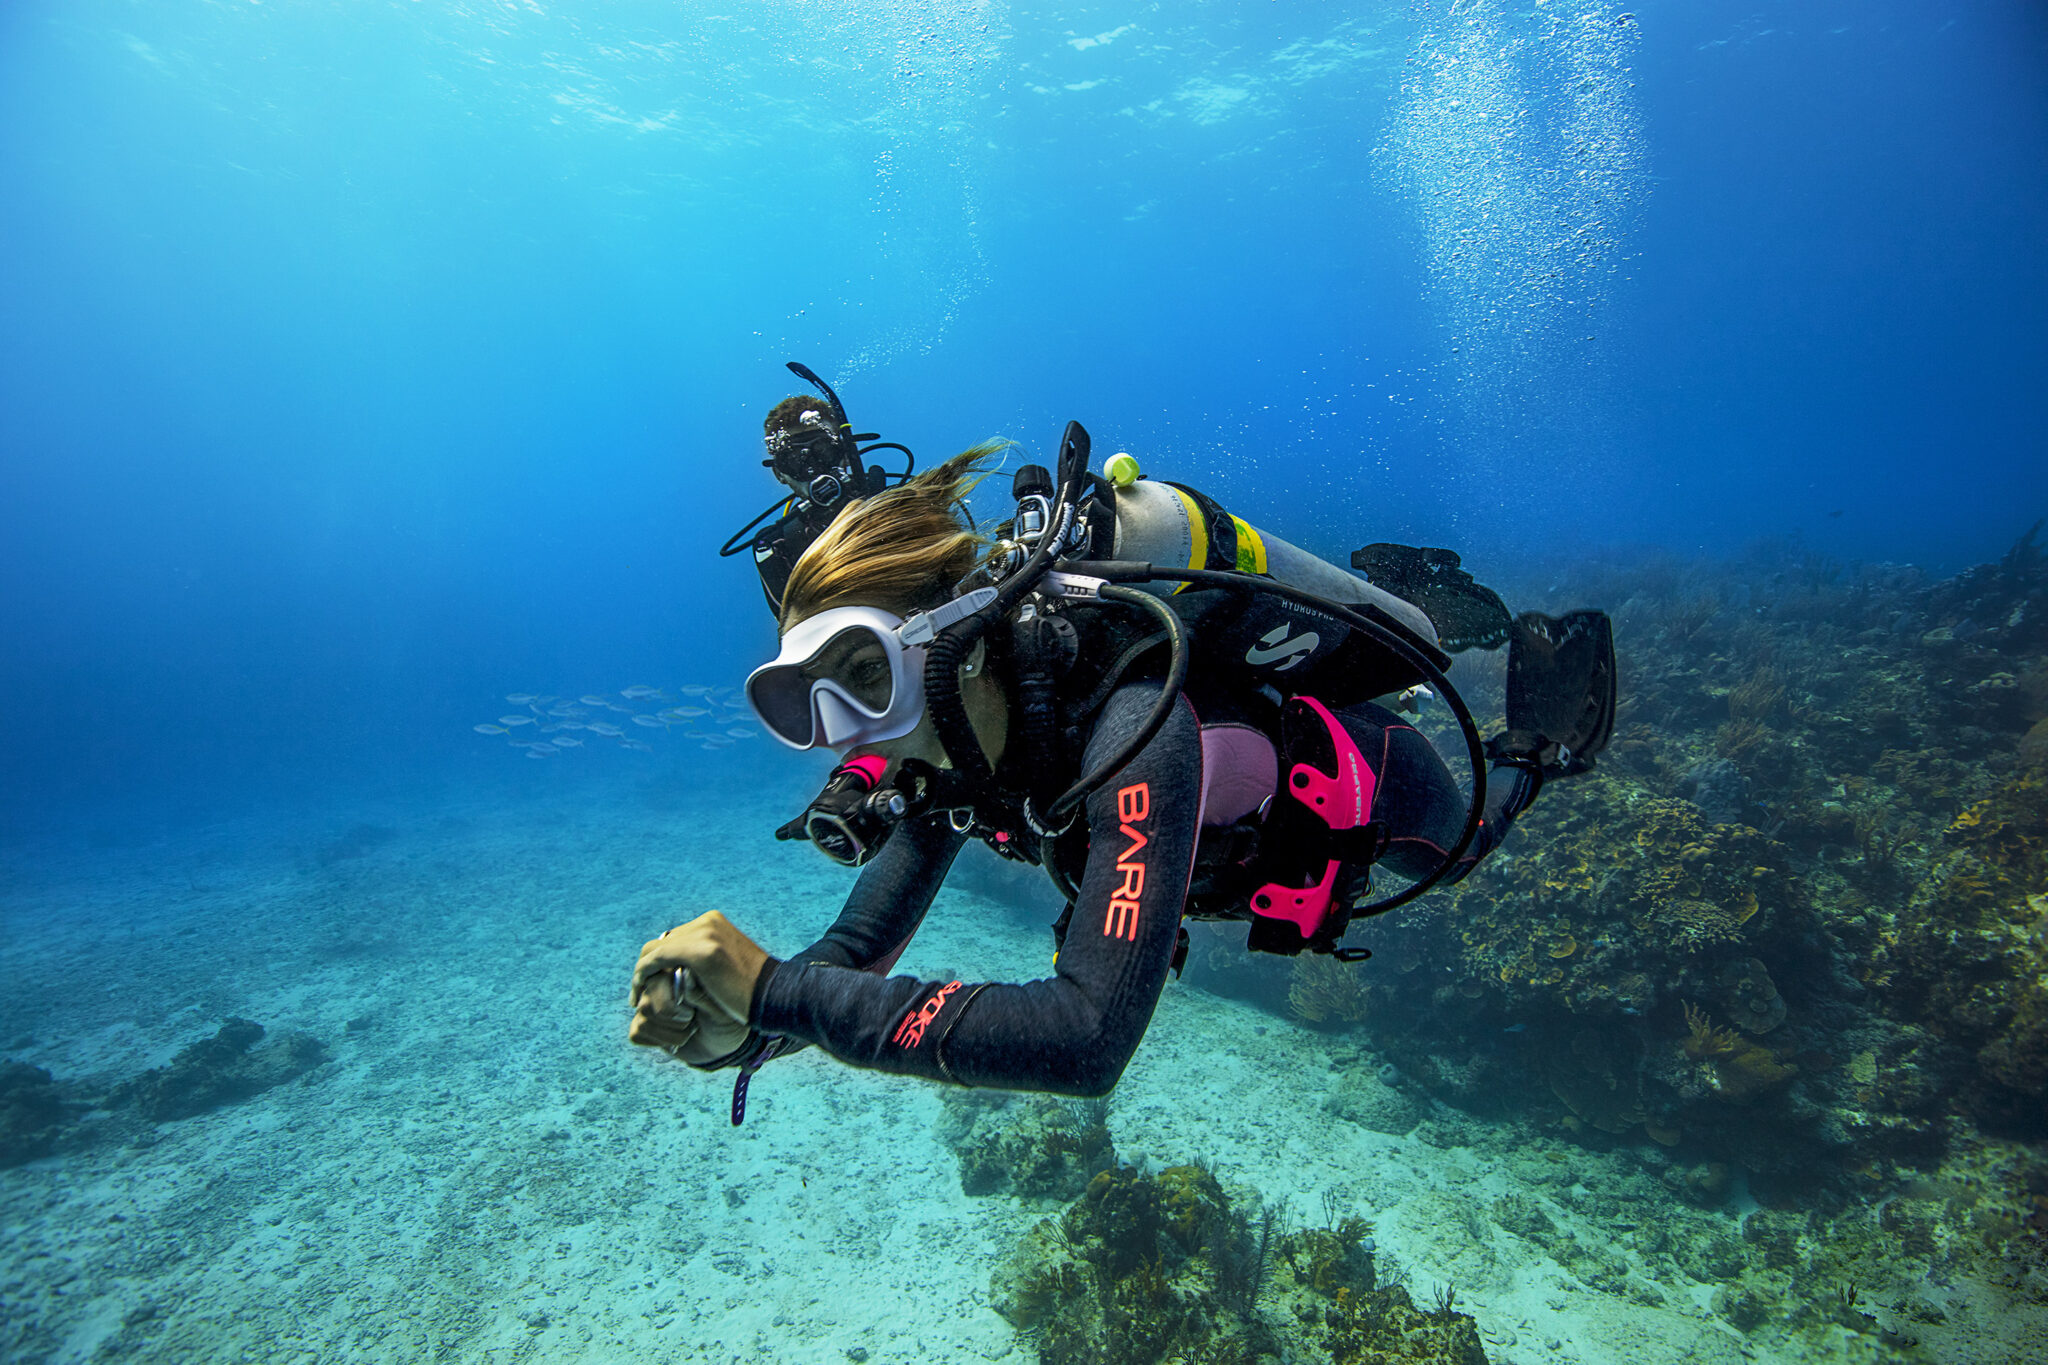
pixel 235 1064
pixel 1038 1148
pixel 1361 1097
pixel 33 1113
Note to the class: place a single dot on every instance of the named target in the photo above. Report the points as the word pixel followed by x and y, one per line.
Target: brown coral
pixel 1736 1069
pixel 1326 991
pixel 1705 1040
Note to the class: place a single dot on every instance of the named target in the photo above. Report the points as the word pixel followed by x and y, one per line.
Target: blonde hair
pixel 901 550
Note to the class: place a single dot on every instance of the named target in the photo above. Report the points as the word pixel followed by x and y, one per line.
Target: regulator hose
pixel 948 649
pixel 1169 693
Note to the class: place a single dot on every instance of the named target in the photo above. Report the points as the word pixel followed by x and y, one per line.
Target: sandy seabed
pixel 485 1170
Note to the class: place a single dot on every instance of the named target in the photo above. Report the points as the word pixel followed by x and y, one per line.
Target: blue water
pixel 362 364
pixel 365 362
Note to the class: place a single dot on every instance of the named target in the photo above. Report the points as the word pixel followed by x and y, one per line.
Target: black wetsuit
pixel 1074 1032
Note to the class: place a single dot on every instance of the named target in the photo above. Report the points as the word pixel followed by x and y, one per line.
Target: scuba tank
pixel 1166 524
pixel 1289 644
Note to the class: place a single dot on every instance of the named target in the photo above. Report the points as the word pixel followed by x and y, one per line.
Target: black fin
pixel 1560 689
pixel 1466 614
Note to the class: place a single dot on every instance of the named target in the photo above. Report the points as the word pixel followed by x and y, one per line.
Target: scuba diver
pixel 1170 711
pixel 814 452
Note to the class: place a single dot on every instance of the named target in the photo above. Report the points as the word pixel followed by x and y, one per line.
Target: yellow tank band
pixel 1251 551
pixel 1198 536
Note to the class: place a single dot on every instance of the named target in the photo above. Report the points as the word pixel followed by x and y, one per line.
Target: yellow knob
pixel 1121 471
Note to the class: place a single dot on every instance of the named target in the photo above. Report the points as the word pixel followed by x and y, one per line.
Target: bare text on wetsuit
pixel 1133 806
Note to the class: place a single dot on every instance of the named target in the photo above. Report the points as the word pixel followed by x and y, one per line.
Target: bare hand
pixel 724 962
pixel 718 968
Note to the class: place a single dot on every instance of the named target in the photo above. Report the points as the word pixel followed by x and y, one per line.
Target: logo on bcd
pixel 910 1032
pixel 1275 644
pixel 1133 806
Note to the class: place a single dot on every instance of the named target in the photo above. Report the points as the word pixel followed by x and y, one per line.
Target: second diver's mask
pixel 843 677
pixel 815 457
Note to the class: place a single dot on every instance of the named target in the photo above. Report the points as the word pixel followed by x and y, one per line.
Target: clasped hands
pixel 719 967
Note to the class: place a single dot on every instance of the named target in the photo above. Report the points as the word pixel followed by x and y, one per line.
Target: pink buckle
pixel 1304 909
pixel 1340 802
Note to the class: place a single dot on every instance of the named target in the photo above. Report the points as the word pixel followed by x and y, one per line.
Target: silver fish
pixel 651 722
pixel 564 742
pixel 515 720
pixel 521 698
pixel 742 732
pixel 592 699
pixel 636 744
pixel 490 729
pixel 608 731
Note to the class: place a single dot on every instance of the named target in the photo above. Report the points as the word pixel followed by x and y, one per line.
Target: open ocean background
pixel 362 363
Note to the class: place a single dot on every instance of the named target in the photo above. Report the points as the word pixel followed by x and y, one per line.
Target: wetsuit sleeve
pixel 890 899
pixel 1074 1032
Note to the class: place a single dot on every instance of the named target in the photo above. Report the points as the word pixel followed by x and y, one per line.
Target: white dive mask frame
pixel 805 713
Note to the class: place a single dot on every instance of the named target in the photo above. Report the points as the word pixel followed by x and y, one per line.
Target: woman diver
pixel 1167 743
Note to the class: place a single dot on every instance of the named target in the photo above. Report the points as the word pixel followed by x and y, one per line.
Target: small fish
pixel 564 742
pixel 1515 1028
pixel 515 720
pixel 652 722
pixel 643 747
pixel 712 746
pixel 521 698
pixel 566 711
pixel 490 729
pixel 592 699
pixel 540 751
pixel 608 731
pixel 692 712
pixel 742 732
pixel 549 729
pixel 639 692
pixel 695 689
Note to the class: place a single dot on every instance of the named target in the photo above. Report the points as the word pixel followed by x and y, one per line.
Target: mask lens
pixel 781 697
pixel 858 661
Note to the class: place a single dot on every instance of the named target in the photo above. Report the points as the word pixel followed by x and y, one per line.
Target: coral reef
pixel 1791 937
pixel 1171 1267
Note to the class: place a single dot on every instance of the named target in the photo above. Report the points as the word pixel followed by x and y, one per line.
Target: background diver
pixel 1167 742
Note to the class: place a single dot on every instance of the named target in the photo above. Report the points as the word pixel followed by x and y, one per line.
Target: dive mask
pixel 843 677
pixel 812 449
